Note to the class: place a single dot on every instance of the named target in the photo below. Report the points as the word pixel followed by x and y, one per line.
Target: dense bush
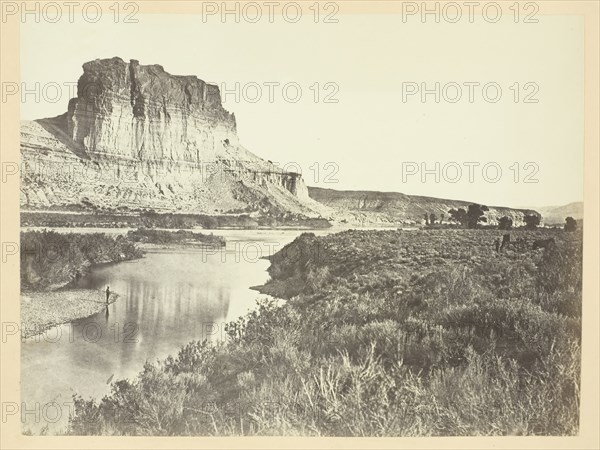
pixel 173 237
pixel 385 333
pixel 505 223
pixel 570 224
pixel 50 259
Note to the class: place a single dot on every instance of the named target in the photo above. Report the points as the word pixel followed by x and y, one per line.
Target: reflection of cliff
pixel 140 137
pixel 170 306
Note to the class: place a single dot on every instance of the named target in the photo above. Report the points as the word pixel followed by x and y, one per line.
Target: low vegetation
pixel 51 260
pixel 153 236
pixel 148 219
pixel 385 333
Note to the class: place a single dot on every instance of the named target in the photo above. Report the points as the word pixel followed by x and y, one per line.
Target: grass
pixel 385 333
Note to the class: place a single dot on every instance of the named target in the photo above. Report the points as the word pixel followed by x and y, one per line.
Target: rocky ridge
pixel 391 208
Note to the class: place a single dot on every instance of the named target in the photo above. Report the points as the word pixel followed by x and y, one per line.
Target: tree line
pixel 475 215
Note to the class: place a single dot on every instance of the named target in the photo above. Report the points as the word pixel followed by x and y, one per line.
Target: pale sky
pixel 371 134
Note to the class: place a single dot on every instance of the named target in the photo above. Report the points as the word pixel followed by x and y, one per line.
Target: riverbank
pixel 180 237
pixel 51 260
pixel 152 219
pixel 41 311
pixel 385 333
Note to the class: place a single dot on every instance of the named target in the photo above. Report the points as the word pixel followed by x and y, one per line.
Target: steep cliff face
pixel 390 208
pixel 142 112
pixel 140 137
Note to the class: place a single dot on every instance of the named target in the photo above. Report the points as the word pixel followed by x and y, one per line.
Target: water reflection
pixel 166 300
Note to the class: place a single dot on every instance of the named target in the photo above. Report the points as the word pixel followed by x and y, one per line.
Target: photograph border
pixel 588 438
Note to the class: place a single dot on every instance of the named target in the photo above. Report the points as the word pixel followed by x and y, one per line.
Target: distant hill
pixel 391 208
pixel 555 215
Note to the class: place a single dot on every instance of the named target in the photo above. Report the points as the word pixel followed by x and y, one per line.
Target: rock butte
pixel 138 137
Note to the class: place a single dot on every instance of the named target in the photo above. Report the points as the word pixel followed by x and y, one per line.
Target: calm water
pixel 166 299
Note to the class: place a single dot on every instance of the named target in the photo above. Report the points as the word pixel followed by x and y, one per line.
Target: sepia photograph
pixel 300 220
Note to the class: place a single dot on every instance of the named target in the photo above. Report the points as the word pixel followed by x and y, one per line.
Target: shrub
pixel 531 221
pixel 378 338
pixel 50 259
pixel 570 224
pixel 505 223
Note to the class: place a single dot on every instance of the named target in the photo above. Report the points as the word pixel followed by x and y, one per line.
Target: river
pixel 166 299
